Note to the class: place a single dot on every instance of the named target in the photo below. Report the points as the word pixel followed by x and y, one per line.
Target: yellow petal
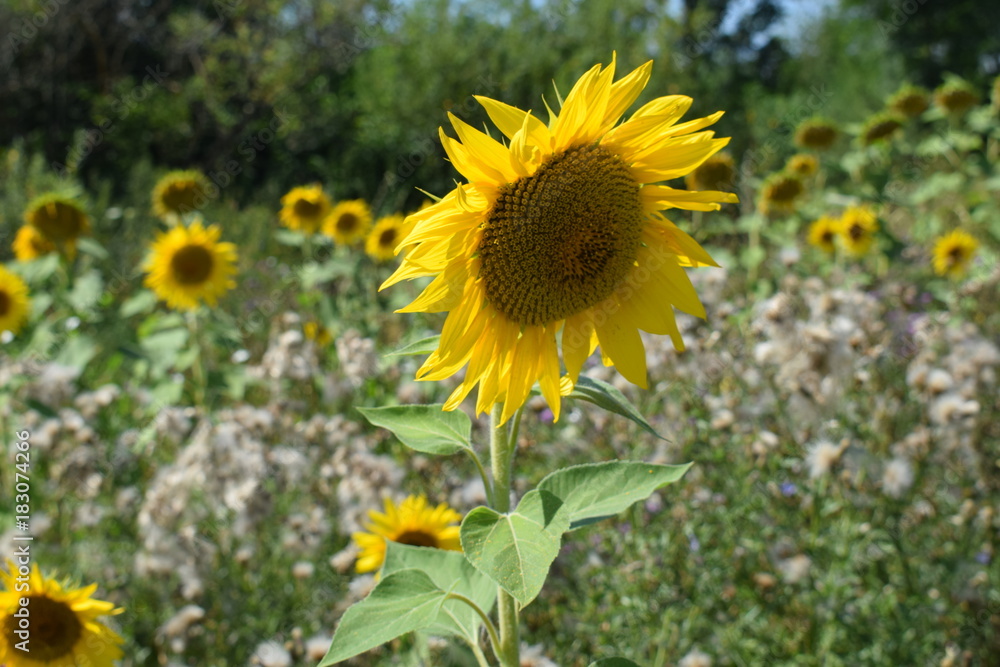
pixel 621 342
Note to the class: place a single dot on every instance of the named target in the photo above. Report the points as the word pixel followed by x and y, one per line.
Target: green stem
pixel 485 477
pixel 501 458
pixel 491 629
pixel 197 369
pixel 480 658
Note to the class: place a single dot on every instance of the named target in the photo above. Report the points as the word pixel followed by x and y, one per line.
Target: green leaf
pixel 422 346
pixel 77 352
pixel 404 601
pixel 425 428
pixel 289 237
pixel 451 572
pixel 89 246
pixel 614 662
pixel 596 491
pixel 142 302
pixel 603 395
pixel 515 550
pixel 87 289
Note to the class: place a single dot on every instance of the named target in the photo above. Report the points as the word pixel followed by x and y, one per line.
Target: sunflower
pixel 823 232
pixel 29 244
pixel 179 193
pixel 188 264
pixel 715 173
pixel 304 208
pixel 780 192
pixel 348 222
pixel 816 133
pixel 14 301
pixel 411 522
pixel 857 227
pixel 317 333
pixel 63 626
pixel 909 101
pixel 953 253
pixel 384 237
pixel 802 165
pixel 560 230
pixel 880 128
pixel 59 219
pixel 956 95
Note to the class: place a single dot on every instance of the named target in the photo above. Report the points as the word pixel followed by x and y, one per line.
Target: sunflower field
pixel 529 334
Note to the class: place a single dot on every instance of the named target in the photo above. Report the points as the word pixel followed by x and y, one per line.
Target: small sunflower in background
pixel 14 301
pixel 348 222
pixel 953 253
pixel 304 209
pixel 384 237
pixel 956 95
pixel 179 193
pixel 187 265
pixel 29 244
pixel 559 238
pixel 816 134
pixel 802 165
pixel 996 94
pixel 780 193
pixel 64 624
pixel 412 522
pixel 823 233
pixel 857 228
pixel 909 101
pixel 715 173
pixel 880 127
pixel 59 219
pixel 317 333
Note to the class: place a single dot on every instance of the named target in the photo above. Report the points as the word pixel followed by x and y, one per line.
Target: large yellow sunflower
pixel 179 193
pixel 61 628
pixel 858 225
pixel 305 208
pixel 953 253
pixel 189 264
pixel 384 237
pixel 14 301
pixel 559 231
pixel 412 522
pixel 59 219
pixel 823 233
pixel 29 244
pixel 348 222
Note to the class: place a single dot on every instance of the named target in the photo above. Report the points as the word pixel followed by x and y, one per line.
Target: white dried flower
pixel 695 658
pixel 897 477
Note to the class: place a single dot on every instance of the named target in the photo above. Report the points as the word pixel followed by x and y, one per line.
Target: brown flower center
pixel 191 265
pixel 387 239
pixel 417 538
pixel 54 629
pixel 347 222
pixel 306 209
pixel 560 241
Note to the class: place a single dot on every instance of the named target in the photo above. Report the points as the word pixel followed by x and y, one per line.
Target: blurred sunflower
pixel 802 165
pixel 953 253
pixel 317 333
pixel 348 222
pixel 909 101
pixel 858 225
pixel 816 133
pixel 189 264
pixel 179 193
pixel 59 219
pixel 956 95
pixel 304 209
pixel 384 237
pixel 14 301
pixel 64 625
pixel 560 230
pixel 29 244
pixel 412 522
pixel 996 94
pixel 780 192
pixel 823 232
pixel 880 127
pixel 715 173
